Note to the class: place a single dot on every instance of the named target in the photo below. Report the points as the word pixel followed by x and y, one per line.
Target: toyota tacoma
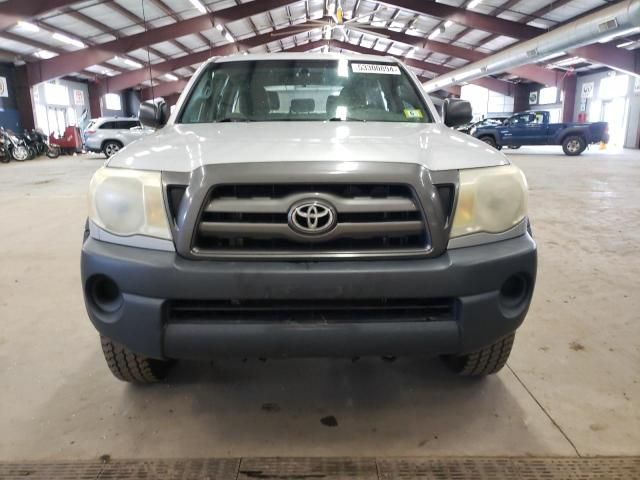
pixel 306 205
pixel 535 128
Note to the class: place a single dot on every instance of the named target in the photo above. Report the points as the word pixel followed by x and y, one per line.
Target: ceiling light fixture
pixel 435 33
pixel 474 4
pixel 448 23
pixel 171 77
pixel 198 4
pixel 30 27
pixel 45 54
pixel 625 44
pixel 219 27
pixel 71 41
pixel 228 36
pixel 132 63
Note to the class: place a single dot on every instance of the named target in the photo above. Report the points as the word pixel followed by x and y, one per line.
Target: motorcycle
pixel 30 142
pixel 15 146
pixel 42 146
pixel 4 154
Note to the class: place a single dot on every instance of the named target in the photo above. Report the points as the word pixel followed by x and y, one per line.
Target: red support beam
pixel 616 58
pixel 12 11
pixel 545 76
pixel 23 98
pixel 79 59
pixel 95 100
pixel 163 90
pixel 569 102
pixel 487 23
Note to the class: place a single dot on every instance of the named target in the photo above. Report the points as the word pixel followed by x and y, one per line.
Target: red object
pixel 70 142
pixel 582 117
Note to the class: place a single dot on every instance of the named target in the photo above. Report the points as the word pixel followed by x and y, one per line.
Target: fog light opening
pixel 105 294
pixel 514 291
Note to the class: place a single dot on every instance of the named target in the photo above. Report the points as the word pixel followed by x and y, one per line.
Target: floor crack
pixel 557 425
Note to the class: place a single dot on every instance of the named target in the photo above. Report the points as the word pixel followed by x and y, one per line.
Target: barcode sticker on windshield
pixel 375 68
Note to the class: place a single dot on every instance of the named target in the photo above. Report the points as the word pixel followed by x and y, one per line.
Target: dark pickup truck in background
pixel 533 128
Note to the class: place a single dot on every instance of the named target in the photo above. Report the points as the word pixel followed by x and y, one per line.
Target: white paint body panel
pixel 186 147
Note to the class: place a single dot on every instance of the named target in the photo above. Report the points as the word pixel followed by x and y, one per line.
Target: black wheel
pixel 574 145
pixel 491 142
pixel 483 362
pixel 514 147
pixel 53 152
pixel 111 147
pixel 131 367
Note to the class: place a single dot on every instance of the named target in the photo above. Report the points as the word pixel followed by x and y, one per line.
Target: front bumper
pixel 151 281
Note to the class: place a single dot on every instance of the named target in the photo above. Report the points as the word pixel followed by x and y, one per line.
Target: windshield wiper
pixel 348 119
pixel 233 119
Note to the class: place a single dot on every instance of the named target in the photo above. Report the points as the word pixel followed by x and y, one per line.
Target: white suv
pixel 109 134
pixel 306 205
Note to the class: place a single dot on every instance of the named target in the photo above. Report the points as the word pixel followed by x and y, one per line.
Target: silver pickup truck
pixel 306 205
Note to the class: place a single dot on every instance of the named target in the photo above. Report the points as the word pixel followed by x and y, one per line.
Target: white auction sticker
pixel 375 68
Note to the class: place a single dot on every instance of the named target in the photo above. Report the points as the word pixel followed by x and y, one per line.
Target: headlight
pixel 490 200
pixel 128 202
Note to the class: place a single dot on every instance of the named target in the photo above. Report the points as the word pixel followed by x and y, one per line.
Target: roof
pixel 126 37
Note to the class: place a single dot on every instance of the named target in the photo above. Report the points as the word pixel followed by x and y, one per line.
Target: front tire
pixel 131 367
pixel 110 148
pixel 491 142
pixel 574 145
pixel 484 362
pixel 20 154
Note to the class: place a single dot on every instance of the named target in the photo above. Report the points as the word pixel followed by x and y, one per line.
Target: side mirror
pixel 456 112
pixel 154 113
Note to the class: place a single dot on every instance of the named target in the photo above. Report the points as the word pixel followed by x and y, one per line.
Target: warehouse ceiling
pixel 130 42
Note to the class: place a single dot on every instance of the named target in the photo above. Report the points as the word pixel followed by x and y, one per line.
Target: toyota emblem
pixel 312 217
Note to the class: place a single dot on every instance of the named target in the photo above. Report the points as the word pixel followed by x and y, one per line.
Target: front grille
pixel 311 311
pixel 253 221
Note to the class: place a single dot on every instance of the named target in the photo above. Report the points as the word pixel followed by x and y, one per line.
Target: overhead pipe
pixel 610 22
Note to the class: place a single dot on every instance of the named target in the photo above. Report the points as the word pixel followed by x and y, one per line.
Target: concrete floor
pixel 571 386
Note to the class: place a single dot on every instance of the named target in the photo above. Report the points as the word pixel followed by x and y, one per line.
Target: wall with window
pixel 9 115
pixel 546 98
pixel 614 97
pixel 113 105
pixel 60 104
pixel 486 103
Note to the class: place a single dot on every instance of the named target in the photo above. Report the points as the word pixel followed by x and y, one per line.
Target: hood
pixel 185 147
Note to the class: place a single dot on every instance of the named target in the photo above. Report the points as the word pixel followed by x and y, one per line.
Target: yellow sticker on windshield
pixel 413 113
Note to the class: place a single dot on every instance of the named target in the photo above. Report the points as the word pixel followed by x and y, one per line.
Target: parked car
pixel 469 128
pixel 534 128
pixel 109 134
pixel 343 219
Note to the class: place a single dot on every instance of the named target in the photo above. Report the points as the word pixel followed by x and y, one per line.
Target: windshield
pixel 304 90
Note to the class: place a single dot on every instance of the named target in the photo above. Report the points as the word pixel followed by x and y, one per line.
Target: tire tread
pixel 129 366
pixel 487 361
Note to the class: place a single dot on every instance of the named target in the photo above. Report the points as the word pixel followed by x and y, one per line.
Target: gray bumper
pixel 151 281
